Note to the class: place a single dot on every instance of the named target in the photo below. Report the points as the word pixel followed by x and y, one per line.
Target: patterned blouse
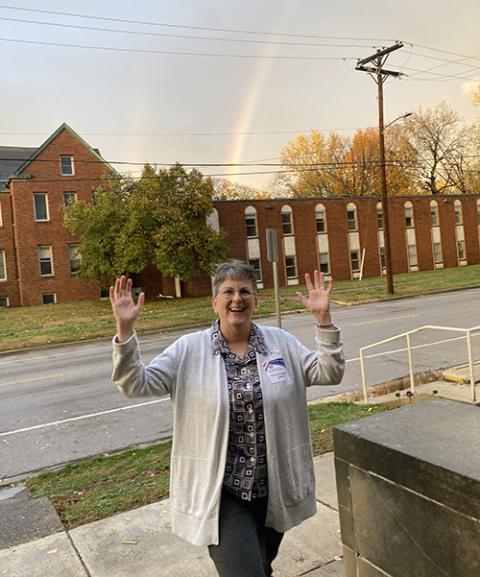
pixel 246 468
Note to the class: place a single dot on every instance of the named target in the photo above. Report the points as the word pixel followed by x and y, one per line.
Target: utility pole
pixel 379 74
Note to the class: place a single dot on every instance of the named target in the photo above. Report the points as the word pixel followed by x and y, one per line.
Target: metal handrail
pixel 407 335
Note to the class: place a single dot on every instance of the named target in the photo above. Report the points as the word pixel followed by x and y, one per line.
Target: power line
pixel 205 28
pixel 173 52
pixel 182 36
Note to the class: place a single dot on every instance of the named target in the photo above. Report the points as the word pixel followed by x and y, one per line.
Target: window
pixel 382 257
pixel 45 260
pixel 437 253
pixel 4 302
pixel 324 264
pixel 255 262
pixel 458 212
pixel 287 224
pixel 66 165
pixel 434 213
pixel 49 298
pixel 409 214
pixel 320 217
pixel 251 221
pixel 352 217
pixel 74 257
pixel 291 266
pixel 355 260
pixel 69 198
pixel 478 211
pixel 40 201
pixel 412 255
pixel 461 249
pixel 3 266
pixel 1 217
pixel 379 216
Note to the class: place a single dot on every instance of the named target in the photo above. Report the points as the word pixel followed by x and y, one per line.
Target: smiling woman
pixel 241 465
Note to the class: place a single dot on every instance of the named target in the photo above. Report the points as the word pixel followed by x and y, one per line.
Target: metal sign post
pixel 272 256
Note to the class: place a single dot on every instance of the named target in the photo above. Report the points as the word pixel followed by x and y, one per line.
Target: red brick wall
pixel 29 234
pixel 9 287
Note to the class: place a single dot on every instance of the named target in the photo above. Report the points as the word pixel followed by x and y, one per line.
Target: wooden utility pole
pixel 379 74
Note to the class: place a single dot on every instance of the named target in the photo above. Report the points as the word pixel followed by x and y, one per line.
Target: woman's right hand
pixel 125 310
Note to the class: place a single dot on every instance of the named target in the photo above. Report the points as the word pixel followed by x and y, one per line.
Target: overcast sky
pixel 138 104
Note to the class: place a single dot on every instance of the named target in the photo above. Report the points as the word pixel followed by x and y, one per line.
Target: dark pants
pixel 246 547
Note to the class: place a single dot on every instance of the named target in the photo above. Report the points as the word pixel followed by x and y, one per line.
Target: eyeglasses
pixel 229 293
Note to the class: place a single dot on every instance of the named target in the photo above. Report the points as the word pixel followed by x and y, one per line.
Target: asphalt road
pixel 58 404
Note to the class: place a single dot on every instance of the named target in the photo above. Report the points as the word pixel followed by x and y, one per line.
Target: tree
pixel 309 163
pixel 434 134
pixel 159 220
pixel 101 228
pixel 336 165
pixel 224 189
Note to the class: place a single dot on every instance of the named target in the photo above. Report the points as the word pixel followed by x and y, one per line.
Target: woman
pixel 242 468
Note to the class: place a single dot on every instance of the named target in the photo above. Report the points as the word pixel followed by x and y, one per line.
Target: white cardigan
pixel 196 381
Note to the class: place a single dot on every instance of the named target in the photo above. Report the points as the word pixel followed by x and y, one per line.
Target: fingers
pixel 308 282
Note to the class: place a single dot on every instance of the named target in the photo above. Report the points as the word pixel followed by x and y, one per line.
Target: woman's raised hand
pixel 318 299
pixel 124 308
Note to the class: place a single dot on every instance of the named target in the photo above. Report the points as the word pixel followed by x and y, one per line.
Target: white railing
pixel 407 336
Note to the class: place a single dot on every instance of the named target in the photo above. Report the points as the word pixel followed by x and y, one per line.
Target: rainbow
pixel 249 106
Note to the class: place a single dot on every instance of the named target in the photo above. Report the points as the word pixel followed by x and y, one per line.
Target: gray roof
pixel 11 158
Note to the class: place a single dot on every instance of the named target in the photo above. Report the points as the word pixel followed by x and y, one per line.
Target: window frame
pixel 251 214
pixel 357 251
pixel 434 214
pixel 439 245
pixel 321 210
pixel 287 220
pixel 409 216
pixel 54 302
pixel 45 260
pixel 72 260
pixel 458 212
pixel 258 270
pixel 463 250
pixel 3 265
pixel 1 215
pixel 71 164
pixel 327 262
pixel 287 266
pixel 37 195
pixel 410 256
pixel 66 199
pixel 352 209
pixel 380 223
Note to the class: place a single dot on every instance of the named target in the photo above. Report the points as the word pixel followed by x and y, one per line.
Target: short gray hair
pixel 236 270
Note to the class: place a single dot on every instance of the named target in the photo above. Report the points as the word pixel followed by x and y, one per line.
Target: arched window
pixel 321 218
pixel 352 216
pixel 457 207
pixel 287 221
pixel 251 221
pixel 434 213
pixel 379 216
pixel 478 211
pixel 408 214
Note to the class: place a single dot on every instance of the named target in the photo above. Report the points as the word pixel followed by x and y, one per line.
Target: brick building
pixel 38 256
pixel 342 236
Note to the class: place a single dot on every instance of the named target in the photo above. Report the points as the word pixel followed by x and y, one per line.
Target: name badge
pixel 275 369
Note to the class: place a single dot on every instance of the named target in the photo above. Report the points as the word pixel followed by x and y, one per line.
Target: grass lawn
pixel 99 487
pixel 25 327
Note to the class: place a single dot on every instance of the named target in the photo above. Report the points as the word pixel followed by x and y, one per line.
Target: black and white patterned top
pixel 246 468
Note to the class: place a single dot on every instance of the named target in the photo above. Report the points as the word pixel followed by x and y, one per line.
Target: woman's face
pixel 235 304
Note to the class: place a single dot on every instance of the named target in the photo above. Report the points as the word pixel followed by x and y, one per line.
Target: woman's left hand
pixel 318 299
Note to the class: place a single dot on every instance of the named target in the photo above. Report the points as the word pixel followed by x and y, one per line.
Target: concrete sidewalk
pixel 139 542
